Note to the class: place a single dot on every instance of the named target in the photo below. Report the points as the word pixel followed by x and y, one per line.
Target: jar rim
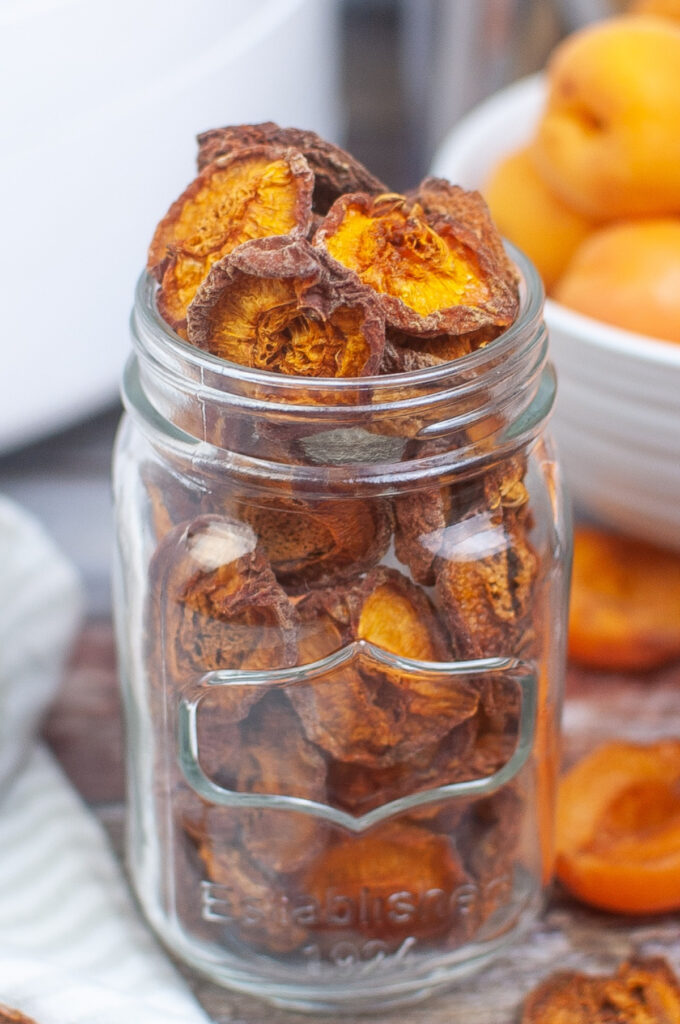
pixel 364 430
pixel 151 334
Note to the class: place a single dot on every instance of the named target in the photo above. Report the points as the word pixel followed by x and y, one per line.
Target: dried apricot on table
pixel 335 171
pixel 433 275
pixel 625 602
pixel 255 193
pixel 279 304
pixel 618 828
pixel 643 991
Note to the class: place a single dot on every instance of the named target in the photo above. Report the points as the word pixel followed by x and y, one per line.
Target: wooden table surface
pixel 85 731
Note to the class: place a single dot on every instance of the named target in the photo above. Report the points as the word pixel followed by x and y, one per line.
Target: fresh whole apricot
pixel 608 142
pixel 529 213
pixel 628 274
pixel 625 602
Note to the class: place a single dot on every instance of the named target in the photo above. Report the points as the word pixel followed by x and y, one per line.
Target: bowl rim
pixel 520 94
pixel 610 337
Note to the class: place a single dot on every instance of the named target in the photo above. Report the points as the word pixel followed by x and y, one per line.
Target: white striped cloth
pixel 73 949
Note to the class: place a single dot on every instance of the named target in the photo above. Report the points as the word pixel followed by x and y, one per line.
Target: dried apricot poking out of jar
pixel 335 171
pixel 434 274
pixel 255 193
pixel 625 602
pixel 278 304
pixel 618 828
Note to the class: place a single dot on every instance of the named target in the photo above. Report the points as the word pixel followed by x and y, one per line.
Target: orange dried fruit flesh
pixel 367 712
pixel 403 877
pixel 278 304
pixel 383 607
pixel 433 275
pixel 335 171
pixel 625 602
pixel 618 828
pixel 642 991
pixel 255 193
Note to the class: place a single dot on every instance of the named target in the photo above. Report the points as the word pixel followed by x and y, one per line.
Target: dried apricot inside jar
pixel 340 604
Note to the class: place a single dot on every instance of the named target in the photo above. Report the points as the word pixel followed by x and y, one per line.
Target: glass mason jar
pixel 340 609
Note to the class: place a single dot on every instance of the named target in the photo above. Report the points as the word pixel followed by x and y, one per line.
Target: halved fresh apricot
pixel 625 602
pixel 618 828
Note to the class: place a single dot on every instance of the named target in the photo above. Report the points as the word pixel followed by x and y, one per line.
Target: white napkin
pixel 40 604
pixel 73 948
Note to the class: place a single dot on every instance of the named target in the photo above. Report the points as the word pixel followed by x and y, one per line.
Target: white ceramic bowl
pixel 617 414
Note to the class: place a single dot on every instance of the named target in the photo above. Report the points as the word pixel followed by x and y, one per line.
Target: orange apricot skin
pixel 634 872
pixel 529 214
pixel 628 275
pixel 625 603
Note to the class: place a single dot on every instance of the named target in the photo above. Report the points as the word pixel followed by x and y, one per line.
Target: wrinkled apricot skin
pixel 432 276
pixel 643 991
pixel 625 603
pixel 255 193
pixel 529 214
pixel 618 828
pixel 608 142
pixel 335 171
pixel 628 274
pixel 315 544
pixel 278 304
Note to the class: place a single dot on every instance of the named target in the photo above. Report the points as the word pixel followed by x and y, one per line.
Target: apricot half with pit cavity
pixel 608 142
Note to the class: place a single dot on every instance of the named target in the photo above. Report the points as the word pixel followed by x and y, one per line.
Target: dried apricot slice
pixel 372 713
pixel 249 897
pixel 396 880
pixel 335 171
pixel 254 193
pixel 486 599
pixel 486 566
pixel 217 605
pixel 433 277
pixel 279 304
pixel 625 602
pixel 276 759
pixel 618 827
pixel 313 543
pixel 643 991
